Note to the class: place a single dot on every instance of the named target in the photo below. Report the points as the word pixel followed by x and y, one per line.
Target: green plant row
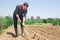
pixel 5 22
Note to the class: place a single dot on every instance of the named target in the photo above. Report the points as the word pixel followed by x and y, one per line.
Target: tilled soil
pixel 41 32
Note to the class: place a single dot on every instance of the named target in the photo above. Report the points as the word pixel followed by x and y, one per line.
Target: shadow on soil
pixel 12 34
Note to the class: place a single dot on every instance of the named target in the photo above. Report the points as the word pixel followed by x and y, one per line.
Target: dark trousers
pixel 15 25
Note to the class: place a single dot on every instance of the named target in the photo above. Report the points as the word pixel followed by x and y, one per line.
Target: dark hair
pixel 25 4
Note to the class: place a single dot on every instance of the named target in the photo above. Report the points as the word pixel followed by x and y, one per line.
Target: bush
pixel 5 23
pixel 9 21
pixel 41 21
pixel 44 21
pixel 29 22
pixel 56 22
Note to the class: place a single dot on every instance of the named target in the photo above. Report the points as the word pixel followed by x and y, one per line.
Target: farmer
pixel 20 15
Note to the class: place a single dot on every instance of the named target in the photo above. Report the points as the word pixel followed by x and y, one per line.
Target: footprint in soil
pixel 34 36
pixel 12 34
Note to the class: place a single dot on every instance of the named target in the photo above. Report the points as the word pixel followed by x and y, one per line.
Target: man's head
pixel 25 5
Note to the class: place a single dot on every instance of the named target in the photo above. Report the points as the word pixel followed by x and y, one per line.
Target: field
pixel 33 32
pixel 42 29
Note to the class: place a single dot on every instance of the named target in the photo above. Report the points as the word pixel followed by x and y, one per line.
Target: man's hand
pixel 18 17
pixel 24 19
pixel 19 20
pixel 23 24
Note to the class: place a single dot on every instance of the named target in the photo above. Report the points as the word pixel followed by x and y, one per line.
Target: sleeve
pixel 24 14
pixel 17 10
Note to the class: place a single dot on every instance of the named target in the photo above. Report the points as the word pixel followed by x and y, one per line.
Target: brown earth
pixel 40 32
